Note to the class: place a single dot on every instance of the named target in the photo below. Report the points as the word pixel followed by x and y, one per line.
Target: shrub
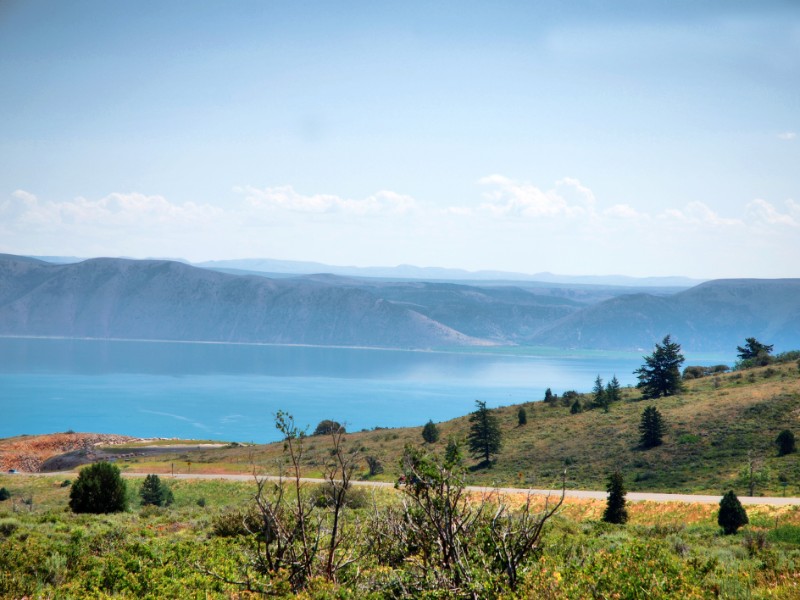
pixel 785 442
pixel 326 427
pixel 98 489
pixel 4 494
pixel 374 465
pixel 731 514
pixel 522 416
pixel 8 527
pixel 235 523
pixel 155 492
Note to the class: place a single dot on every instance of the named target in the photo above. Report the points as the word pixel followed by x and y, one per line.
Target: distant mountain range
pixel 168 300
pixel 411 272
pixel 270 266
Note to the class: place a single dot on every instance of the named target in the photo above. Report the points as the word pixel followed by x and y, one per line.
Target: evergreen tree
pixel 600 400
pixel 548 395
pixel 4 494
pixel 785 442
pixel 98 489
pixel 484 437
pixel 430 433
pixel 613 390
pixel 661 373
pixel 576 407
pixel 522 416
pixel 155 492
pixel 651 428
pixel 615 511
pixel 452 454
pixel 731 514
pixel 753 349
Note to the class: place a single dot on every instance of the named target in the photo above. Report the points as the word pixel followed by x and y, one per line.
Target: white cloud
pixel 510 198
pixel 698 213
pixel 25 210
pixel 286 198
pixel 787 135
pixel 623 211
pixel 764 213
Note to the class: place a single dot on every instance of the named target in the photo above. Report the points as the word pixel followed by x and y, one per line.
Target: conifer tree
pixel 485 438
pixel 576 407
pixel 522 416
pixel 612 390
pixel 548 395
pixel 430 433
pixel 731 514
pixel 661 373
pixel 651 428
pixel 615 511
pixel 155 492
pixel 600 400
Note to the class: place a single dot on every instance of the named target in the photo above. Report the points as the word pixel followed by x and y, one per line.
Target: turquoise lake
pixel 232 391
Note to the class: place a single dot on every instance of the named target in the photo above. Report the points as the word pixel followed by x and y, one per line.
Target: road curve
pixel 585 494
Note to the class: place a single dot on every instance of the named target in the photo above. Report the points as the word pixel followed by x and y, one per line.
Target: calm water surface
pixel 231 391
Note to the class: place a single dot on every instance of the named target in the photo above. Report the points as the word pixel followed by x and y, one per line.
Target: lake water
pixel 232 391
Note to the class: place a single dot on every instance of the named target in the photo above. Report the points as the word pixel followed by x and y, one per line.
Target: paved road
pixel 631 496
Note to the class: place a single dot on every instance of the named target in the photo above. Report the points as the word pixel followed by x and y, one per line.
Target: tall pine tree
pixel 661 373
pixel 600 399
pixel 651 428
pixel 615 511
pixel 484 437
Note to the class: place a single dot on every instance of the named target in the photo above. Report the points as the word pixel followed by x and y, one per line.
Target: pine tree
pixel 661 373
pixel 155 492
pixel 522 416
pixel 651 428
pixel 600 399
pixel 731 514
pixel 430 433
pixel 484 437
pixel 615 511
pixel 576 407
pixel 548 395
pixel 452 454
pixel 612 390
pixel 753 349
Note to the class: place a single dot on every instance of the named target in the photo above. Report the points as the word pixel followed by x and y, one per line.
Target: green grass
pixel 666 550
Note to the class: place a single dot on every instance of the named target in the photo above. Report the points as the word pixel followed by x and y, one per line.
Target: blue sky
pixel 641 138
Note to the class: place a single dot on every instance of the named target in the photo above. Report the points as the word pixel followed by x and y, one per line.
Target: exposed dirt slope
pixel 27 453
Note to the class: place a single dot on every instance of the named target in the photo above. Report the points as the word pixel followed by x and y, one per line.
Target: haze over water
pixel 232 391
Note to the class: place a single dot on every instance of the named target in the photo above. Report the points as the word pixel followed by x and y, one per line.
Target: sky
pixel 583 137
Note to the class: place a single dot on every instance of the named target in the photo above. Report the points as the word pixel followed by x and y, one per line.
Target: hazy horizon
pixel 639 139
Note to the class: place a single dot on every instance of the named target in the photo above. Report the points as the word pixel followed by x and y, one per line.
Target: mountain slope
pixel 164 300
pixel 711 316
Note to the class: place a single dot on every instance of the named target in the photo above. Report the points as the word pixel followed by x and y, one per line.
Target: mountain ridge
pixel 167 300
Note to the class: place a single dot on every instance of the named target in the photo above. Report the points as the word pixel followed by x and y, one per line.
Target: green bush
pixel 732 515
pixel 155 492
pixel 98 489
pixel 4 494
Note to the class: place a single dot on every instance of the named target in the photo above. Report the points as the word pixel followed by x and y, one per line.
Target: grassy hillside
pixel 711 427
